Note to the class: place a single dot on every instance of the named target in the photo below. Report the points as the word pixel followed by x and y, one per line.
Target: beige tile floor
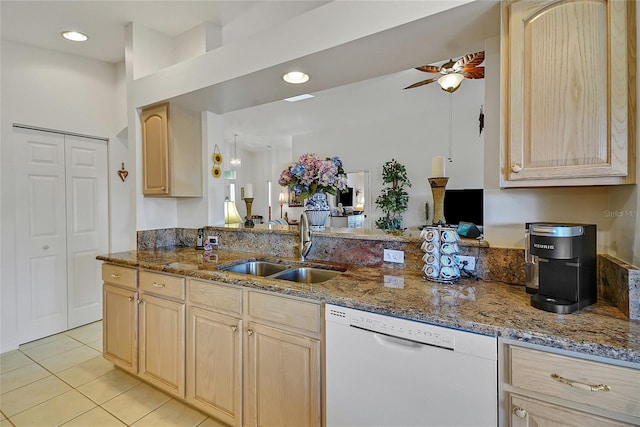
pixel 64 380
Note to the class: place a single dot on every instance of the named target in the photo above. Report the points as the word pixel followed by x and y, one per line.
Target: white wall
pixel 623 211
pixel 412 139
pixel 57 91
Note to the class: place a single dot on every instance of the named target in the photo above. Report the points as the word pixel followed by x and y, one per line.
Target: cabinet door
pixel 214 364
pixel 567 91
pixel 156 134
pixel 162 343
pixel 120 318
pixel 283 378
pixel 526 412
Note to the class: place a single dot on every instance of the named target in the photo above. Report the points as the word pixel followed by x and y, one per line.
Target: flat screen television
pixel 463 205
pixel 345 198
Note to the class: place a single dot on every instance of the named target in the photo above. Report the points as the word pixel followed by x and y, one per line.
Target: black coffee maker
pixel 566 255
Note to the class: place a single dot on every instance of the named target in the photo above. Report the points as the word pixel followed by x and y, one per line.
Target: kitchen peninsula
pixel 202 301
pixel 487 307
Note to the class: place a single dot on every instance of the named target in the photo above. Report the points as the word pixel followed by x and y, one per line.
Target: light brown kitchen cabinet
pixel 283 378
pixel 246 357
pixel 526 412
pixel 120 316
pixel 214 350
pixel 161 331
pixel 568 88
pixel 171 151
pixel 283 367
pixel 547 389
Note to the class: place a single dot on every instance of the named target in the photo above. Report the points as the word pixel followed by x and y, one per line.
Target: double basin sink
pixel 292 273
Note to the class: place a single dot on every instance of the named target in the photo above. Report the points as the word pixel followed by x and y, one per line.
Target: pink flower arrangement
pixel 310 175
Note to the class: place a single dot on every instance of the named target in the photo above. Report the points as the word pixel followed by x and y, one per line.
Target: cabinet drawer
pixel 162 285
pixel 215 296
pixel 553 375
pixel 285 311
pixel 119 275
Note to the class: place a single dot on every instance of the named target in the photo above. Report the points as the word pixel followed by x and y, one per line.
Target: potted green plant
pixel 393 200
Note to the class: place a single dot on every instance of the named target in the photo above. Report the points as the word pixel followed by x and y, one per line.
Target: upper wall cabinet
pixel 171 151
pixel 568 93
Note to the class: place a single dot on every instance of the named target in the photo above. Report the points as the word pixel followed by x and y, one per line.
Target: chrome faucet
pixel 305 236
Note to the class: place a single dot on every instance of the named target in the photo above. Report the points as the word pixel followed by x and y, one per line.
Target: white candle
pixel 437 167
pixel 248 189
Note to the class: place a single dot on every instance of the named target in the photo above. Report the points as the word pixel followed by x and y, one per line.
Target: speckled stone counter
pixel 484 307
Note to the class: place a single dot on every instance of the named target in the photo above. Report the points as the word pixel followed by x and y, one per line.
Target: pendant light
pixel 235 161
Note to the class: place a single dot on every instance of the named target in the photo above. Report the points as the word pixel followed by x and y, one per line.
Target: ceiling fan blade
pixel 422 83
pixel 429 69
pixel 472 59
pixel 474 73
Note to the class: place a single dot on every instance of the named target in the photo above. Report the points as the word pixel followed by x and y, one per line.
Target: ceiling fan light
pixel 450 82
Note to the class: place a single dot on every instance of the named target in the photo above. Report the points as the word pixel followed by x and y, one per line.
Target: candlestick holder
pixel 438 186
pixel 249 222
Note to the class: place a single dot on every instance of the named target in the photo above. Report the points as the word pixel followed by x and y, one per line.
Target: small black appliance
pixel 566 255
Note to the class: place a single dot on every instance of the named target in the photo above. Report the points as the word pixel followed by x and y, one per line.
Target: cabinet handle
pixel 234 328
pixel 158 285
pixel 250 332
pixel 579 385
pixel 516 168
pixel 519 412
pixel 115 276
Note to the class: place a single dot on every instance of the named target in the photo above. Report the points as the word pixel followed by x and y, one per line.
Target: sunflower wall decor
pixel 216 172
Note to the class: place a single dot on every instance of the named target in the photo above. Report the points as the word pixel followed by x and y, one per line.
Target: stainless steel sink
pixel 256 268
pixel 306 275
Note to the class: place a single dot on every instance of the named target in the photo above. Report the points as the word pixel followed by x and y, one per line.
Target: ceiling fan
pixel 452 73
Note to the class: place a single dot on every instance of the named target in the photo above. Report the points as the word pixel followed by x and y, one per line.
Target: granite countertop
pixel 490 308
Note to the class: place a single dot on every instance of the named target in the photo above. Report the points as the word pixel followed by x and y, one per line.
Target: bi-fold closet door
pixel 61 208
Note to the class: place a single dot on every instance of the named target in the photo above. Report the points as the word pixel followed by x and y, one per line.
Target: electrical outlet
pixel 467 263
pixel 391 255
pixel 212 240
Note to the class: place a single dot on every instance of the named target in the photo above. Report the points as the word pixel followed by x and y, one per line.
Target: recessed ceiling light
pixel 296 77
pixel 298 98
pixel 75 36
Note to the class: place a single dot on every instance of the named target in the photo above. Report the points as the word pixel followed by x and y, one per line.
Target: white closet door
pixel 41 267
pixel 87 226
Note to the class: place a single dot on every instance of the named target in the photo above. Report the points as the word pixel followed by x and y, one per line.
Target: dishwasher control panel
pixel 393 327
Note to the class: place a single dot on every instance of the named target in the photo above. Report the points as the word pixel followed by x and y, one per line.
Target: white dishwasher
pixel 386 371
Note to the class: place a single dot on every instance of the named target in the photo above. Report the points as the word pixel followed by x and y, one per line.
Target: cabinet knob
pixel 250 332
pixel 519 412
pixel 234 328
pixel 115 276
pixel 139 301
pixel 516 168
pixel 45 247
pixel 130 299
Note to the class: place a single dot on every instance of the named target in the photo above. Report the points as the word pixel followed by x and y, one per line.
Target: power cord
pixel 467 273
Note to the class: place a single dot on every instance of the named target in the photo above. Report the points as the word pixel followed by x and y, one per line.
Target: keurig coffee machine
pixel 566 255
